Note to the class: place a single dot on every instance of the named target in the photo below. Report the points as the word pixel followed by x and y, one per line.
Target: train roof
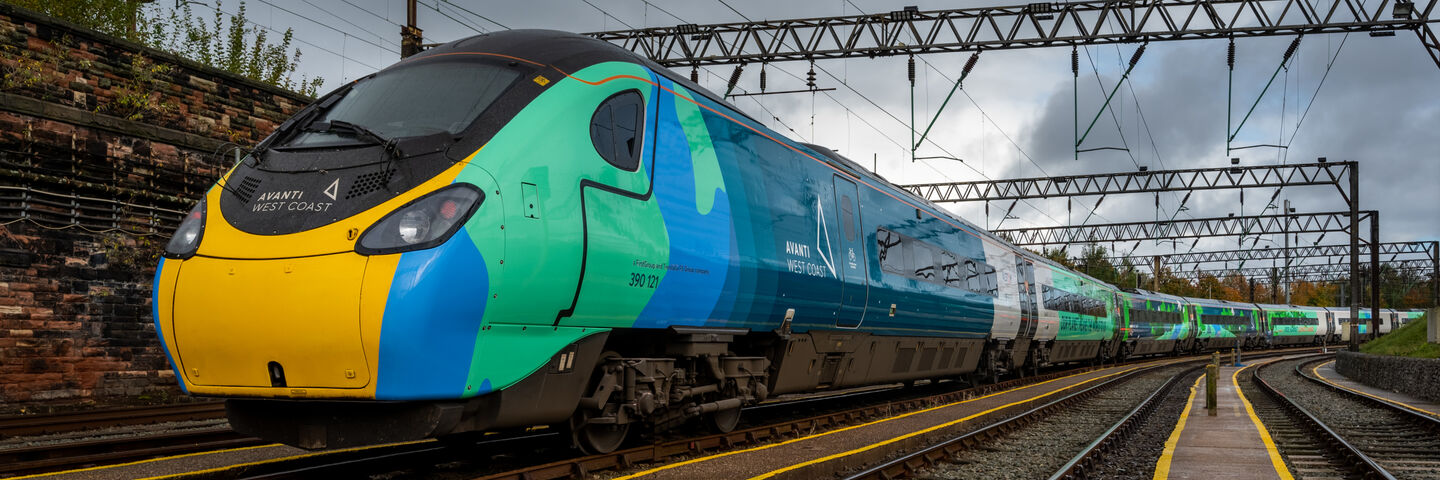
pixel 565 51
pixel 1217 302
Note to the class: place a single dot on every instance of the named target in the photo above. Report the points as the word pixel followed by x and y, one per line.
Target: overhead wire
pixel 331 27
pixel 343 19
pixel 930 141
pixel 301 40
pixel 605 13
pixel 436 9
pixel 667 12
pixel 466 10
pixel 366 10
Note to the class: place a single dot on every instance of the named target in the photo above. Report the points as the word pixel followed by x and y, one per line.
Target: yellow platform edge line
pixel 1275 460
pixel 872 446
pixel 1162 466
pixel 280 459
pixel 1316 371
pixel 838 430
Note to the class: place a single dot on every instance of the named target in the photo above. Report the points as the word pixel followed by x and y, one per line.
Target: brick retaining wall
pixel 1419 377
pixel 75 307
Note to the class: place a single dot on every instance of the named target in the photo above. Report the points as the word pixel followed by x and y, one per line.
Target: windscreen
pixel 423 99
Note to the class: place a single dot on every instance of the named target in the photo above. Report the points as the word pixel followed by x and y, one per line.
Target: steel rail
pixel 1080 466
pixel 1426 421
pixel 1357 459
pixel 908 464
pixel 15 426
pixel 50 458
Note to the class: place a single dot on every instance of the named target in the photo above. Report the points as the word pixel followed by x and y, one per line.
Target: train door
pixel 851 263
pixel 1029 313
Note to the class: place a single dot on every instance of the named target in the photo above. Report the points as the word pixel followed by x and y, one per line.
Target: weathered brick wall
pixel 1412 376
pixel 103 145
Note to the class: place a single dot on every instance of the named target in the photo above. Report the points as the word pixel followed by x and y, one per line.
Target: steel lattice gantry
pixel 1302 271
pixel 1292 175
pixel 910 31
pixel 1188 228
pixel 1322 251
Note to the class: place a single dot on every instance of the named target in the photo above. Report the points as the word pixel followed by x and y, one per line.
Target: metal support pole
pixel 1285 280
pixel 1354 201
pixel 410 35
pixel 1211 372
pixel 1156 271
pixel 1435 274
pixel 1374 274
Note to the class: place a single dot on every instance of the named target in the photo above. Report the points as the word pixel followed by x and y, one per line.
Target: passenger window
pixel 892 255
pixel 950 268
pixel 617 129
pixel 847 217
pixel 924 262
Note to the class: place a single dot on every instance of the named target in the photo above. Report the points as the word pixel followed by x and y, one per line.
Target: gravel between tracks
pixel 1135 459
pixel 1378 432
pixel 1040 449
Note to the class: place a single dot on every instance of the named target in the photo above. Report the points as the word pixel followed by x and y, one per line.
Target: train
pixel 535 228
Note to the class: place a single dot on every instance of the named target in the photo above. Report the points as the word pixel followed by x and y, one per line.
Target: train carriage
pixel 1290 325
pixel 537 228
pixel 1155 324
pixel 1221 324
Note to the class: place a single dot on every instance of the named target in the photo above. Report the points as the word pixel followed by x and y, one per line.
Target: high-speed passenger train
pixel 537 228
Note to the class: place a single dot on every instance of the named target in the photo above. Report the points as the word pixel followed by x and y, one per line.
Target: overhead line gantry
pixel 1143 181
pixel 912 32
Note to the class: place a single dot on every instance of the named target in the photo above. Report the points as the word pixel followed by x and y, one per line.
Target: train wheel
pixel 597 438
pixel 724 421
pixel 593 437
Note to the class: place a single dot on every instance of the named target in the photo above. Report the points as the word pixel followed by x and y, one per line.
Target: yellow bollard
pixel 1211 402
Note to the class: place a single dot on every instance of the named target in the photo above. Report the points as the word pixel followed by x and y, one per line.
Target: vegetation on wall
pixel 225 41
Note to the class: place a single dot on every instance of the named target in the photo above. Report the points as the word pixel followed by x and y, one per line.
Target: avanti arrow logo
pixel 333 189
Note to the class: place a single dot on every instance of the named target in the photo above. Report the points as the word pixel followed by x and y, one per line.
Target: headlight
pixel 423 223
pixel 187 236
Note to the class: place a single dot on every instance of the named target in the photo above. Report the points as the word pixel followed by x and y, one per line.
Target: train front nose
pixel 392 313
pixel 280 326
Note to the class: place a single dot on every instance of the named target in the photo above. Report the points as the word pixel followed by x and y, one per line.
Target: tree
pixel 235 45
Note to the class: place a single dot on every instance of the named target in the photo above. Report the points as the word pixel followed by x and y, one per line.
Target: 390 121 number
pixel 642 280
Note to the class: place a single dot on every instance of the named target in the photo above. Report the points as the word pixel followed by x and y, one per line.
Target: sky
pixel 1015 116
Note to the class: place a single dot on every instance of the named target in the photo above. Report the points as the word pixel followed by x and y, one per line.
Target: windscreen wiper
pixel 363 132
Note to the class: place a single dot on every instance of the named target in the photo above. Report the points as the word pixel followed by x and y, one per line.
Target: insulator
pixel 1230 56
pixel 810 76
pixel 1294 44
pixel 1136 57
pixel 912 71
pixel 695 74
pixel 970 64
pixel 762 78
pixel 734 77
pixel 1075 61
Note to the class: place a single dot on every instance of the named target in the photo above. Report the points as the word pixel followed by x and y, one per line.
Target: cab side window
pixel 617 129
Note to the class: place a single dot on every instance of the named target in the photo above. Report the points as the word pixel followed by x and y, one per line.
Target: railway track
pixel 1096 402
pixel 830 412
pixel 1309 449
pixel 531 455
pixel 16 426
pixel 1372 439
pixel 78 454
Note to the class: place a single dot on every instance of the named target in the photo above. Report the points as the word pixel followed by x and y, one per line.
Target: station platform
pixel 1233 444
pixel 1326 371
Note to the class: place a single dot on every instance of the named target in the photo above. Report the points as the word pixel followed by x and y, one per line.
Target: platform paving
pixel 1229 445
